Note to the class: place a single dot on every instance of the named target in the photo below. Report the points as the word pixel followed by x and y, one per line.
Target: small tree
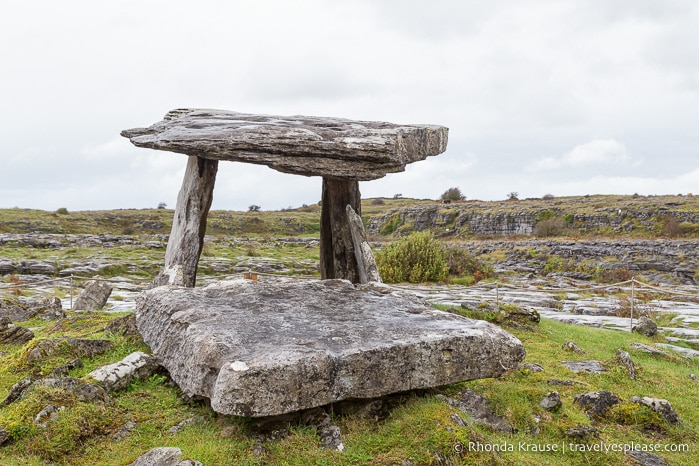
pixel 162 205
pixel 453 194
pixel 254 208
pixel 513 196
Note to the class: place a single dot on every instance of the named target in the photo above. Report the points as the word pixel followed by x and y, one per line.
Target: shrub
pixel 415 259
pixel 254 208
pixel 548 197
pixel 162 205
pixel 452 194
pixel 549 227
pixel 513 196
pixel 461 262
pixel 377 201
pixel 671 227
pixel 62 211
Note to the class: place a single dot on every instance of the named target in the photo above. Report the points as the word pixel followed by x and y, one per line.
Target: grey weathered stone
pixel 594 367
pixel 660 406
pixel 303 145
pixel 532 367
pixel 551 402
pixel 62 371
pixel 582 432
pixel 93 297
pixel 278 345
pixel 330 434
pixel 125 326
pixel 572 346
pixel 13 335
pixel 124 431
pixel 20 310
pixel 646 326
pixel 647 349
pixel 479 410
pixel 4 437
pixel 596 404
pixel 135 366
pixel 163 456
pixel 76 346
pixel 645 458
pixel 366 264
pixel 83 390
pixel 625 359
pixel 48 414
pixel 17 391
pixel 189 223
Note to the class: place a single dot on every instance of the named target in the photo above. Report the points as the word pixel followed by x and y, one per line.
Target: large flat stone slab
pixel 278 345
pixel 302 145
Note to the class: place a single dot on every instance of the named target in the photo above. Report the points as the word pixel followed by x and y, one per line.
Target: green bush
pixel 452 194
pixel 463 263
pixel 62 211
pixel 415 259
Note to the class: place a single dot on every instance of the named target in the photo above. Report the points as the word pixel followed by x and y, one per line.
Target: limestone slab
pixel 279 345
pixel 303 145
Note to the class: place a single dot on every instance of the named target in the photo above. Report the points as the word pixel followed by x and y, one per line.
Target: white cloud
pixel 598 152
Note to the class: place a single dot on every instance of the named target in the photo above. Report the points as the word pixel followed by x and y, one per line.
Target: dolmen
pixel 277 345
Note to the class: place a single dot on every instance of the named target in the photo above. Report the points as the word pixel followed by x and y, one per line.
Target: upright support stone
pixel 366 264
pixel 189 223
pixel 337 258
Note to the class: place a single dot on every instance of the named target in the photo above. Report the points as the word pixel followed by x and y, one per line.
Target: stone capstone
pixel 93 297
pixel 302 145
pixel 279 345
pixel 119 375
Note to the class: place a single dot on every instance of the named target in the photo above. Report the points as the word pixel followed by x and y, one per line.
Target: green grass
pixel 418 430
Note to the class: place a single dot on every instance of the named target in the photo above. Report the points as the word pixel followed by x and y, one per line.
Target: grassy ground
pixel 422 429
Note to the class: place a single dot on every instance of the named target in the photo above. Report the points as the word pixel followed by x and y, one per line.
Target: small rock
pixel 582 432
pixel 93 297
pixel 532 367
pixel 78 346
pixel 4 437
pixel 258 450
pixel 48 309
pixel 645 458
pixel 694 377
pixel 135 366
pixel 458 420
pixel 230 431
pixel 625 359
pixel 83 390
pixel 536 430
pixel 572 346
pixel 647 349
pixel 159 457
pixel 192 420
pixel 663 407
pixel 125 326
pixel 478 409
pixel 189 463
pixel 566 383
pixel 17 391
pixel 646 326
pixel 62 371
pixel 13 335
pixel 596 404
pixel 328 432
pixel 551 402
pixel 594 367
pixel 51 412
pixel 124 431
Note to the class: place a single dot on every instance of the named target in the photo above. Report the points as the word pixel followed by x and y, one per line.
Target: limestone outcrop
pixel 273 346
pixel 302 145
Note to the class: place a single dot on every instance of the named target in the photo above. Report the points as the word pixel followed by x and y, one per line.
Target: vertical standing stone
pixel 189 223
pixel 366 264
pixel 337 258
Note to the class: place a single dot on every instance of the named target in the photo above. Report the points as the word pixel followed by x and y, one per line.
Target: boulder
pixel 596 404
pixel 625 360
pixel 20 310
pixel 646 326
pixel 83 390
pixel 660 406
pixel 76 346
pixel 551 402
pixel 119 375
pixel 594 367
pixel 93 297
pixel 12 335
pixel 163 456
pixel 572 346
pixel 645 458
pixel 302 145
pixel 279 345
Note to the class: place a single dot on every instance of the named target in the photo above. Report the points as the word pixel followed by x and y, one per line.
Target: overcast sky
pixel 554 96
